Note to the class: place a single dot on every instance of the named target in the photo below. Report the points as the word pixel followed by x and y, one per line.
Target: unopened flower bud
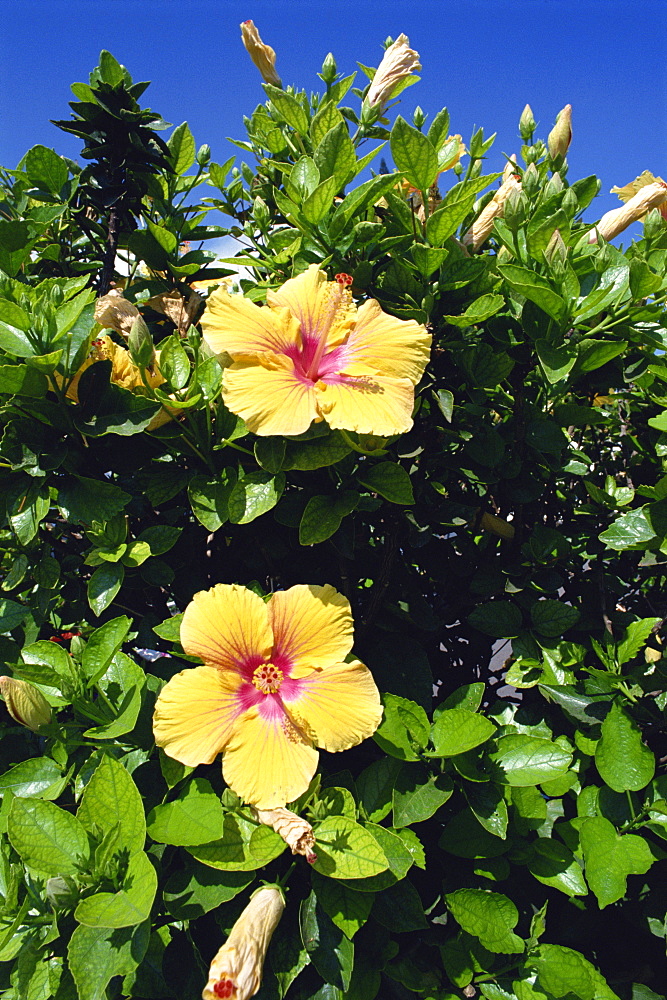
pixel 203 154
pixel 399 61
pixel 570 203
pixel 614 222
pixel 115 313
pixel 631 189
pixel 261 54
pixel 483 224
pixel 555 253
pixel 236 970
pixel 329 69
pixel 527 123
pixel 530 180
pixel 560 137
pixel 295 831
pixel 140 344
pixel 25 703
pixel 554 186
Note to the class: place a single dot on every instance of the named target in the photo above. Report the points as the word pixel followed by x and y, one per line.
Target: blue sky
pixel 483 59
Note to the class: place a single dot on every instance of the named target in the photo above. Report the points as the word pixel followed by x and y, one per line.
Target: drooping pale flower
pixel 261 54
pixel 310 354
pixel 181 311
pixel 635 186
pixel 25 703
pixel 560 137
pixel 274 686
pixel 614 222
pixel 236 970
pixel 481 228
pixel 295 831
pixel 114 312
pixel 398 61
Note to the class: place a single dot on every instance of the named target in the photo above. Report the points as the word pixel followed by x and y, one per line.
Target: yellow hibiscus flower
pixel 635 186
pixel 273 687
pixel 310 354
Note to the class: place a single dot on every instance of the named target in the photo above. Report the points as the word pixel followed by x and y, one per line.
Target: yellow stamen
pixel 267 678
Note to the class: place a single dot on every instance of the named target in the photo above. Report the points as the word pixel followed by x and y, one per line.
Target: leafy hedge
pixel 504 832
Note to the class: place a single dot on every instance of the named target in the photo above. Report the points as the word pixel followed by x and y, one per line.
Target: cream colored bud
pixel 631 189
pixel 483 224
pixel 25 703
pixel 114 312
pixel 560 137
pixel 614 222
pixel 399 61
pixel 496 525
pixel 236 970
pixel 295 831
pixel 261 54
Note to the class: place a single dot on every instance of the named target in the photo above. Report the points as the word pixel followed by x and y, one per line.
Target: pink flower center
pixel 267 678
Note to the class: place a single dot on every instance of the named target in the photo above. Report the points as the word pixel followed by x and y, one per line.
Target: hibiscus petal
pixel 268 762
pixel 312 626
pixel 367 404
pixel 310 297
pixel 227 627
pixel 195 714
pixel 338 707
pixel 269 397
pixel 396 347
pixel 235 324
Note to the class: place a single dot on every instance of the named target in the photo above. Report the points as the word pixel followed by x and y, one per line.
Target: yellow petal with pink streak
pixel 312 299
pixel 367 404
pixel 337 707
pixel 399 348
pixel 312 626
pixel 234 324
pixel 227 626
pixel 268 762
pixel 266 394
pixel 195 714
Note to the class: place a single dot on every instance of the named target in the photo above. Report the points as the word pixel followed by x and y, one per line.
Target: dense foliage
pixel 504 832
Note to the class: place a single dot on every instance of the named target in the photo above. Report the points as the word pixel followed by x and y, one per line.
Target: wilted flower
pixel 236 970
pixel 614 222
pixel 25 703
pixel 310 354
pixel 181 311
pixel 295 831
pixel 261 54
pixel 635 186
pixel 483 224
pixel 560 137
pixel 398 62
pixel 274 686
pixel 114 312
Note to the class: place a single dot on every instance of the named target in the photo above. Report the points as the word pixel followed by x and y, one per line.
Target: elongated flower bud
pixel 140 344
pixel 399 61
pixel 614 222
pixel 527 123
pixel 295 831
pixel 645 178
pixel 483 224
pixel 261 54
pixel 25 703
pixel 560 137
pixel 236 970
pixel 115 313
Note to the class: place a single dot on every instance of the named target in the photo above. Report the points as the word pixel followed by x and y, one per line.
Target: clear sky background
pixel 483 59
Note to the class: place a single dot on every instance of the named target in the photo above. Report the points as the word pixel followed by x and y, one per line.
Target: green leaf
pixel 110 798
pixel 537 289
pixel 288 108
pixel 11 614
pixel 160 538
pixel 45 169
pixel 326 118
pixel 500 619
pixel 446 220
pixel 635 638
pixel 195 890
pixel 554 864
pixel 130 905
pixel 595 353
pixel 254 495
pixel 60 671
pixel 631 530
pixel 417 795
pixel 26 515
pixel 243 846
pixel 108 409
pixel 528 760
pixel 335 155
pixel 404 728
pixel 48 839
pixel 102 646
pixel 37 778
pixel 195 817
pixel 388 479
pixel 488 804
pixel 414 155
pixel 623 761
pixel 348 908
pixel 375 786
pixel 345 849
pixel 488 916
pixel 304 456
pixel 164 237
pixel 552 618
pixel 357 200
pixel 181 145
pixel 478 311
pixel 322 516
pixel 122 683
pixel 465 837
pixel 170 628
pixel 174 362
pixel 209 498
pixel 400 909
pixel 456 730
pixel 557 362
pixel 330 951
pixel 563 972
pixel 97 954
pixel 319 202
pixel 20 380
pixel 104 585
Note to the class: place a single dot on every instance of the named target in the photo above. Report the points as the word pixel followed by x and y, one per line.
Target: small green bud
pixel 529 154
pixel 531 180
pixel 140 344
pixel 418 117
pixel 515 209
pixel 570 203
pixel 329 69
pixel 527 124
pixel 556 251
pixel 554 186
pixel 654 224
pixel 203 155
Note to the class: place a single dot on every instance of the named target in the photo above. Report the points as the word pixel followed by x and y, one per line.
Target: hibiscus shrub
pixel 420 412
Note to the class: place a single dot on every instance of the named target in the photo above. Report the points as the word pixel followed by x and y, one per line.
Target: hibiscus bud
pixel 530 180
pixel 262 55
pixel 295 831
pixel 614 222
pixel 140 344
pixel 556 251
pixel 496 525
pixel 25 703
pixel 483 224
pixel 527 123
pixel 398 62
pixel 236 970
pixel 558 140
pixel 203 154
pixel 114 312
pixel 329 69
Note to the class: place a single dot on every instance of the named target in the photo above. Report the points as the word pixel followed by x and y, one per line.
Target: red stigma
pixel 224 989
pixel 344 279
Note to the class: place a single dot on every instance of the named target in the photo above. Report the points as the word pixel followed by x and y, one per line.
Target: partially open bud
pixel 295 831
pixel 614 222
pixel 527 123
pixel 398 62
pixel 560 137
pixel 236 970
pixel 483 224
pixel 115 313
pixel 140 344
pixel 261 54
pixel 25 703
pixel 635 186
